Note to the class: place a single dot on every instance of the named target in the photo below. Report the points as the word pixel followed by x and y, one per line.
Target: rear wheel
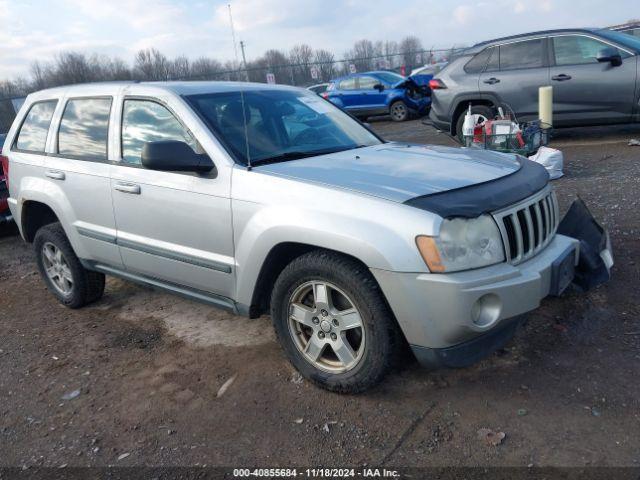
pixel 482 112
pixel 333 323
pixel 72 284
pixel 399 111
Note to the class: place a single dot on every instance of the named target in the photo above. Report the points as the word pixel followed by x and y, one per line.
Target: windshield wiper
pixel 298 154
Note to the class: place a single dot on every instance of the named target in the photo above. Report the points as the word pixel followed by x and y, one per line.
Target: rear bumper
pixel 439 311
pixel 437 121
pixel 6 217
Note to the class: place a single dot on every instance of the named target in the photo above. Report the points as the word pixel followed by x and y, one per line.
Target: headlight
pixel 462 244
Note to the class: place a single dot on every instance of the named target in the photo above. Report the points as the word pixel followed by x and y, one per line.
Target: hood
pixel 399 172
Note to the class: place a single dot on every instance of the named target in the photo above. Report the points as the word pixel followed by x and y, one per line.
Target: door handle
pixel 55 174
pixel 128 188
pixel 561 78
pixel 492 80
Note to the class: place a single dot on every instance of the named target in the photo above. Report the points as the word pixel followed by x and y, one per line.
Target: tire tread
pixel 88 285
pixel 354 274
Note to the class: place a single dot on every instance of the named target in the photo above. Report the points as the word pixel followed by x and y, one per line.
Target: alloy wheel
pixel 326 327
pixel 398 111
pixel 57 268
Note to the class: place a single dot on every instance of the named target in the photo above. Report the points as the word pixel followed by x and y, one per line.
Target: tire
pixel 374 345
pixel 483 110
pixel 73 285
pixel 399 111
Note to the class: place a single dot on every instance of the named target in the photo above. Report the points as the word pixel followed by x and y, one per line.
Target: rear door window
pixel 493 65
pixel 84 128
pixel 34 130
pixel 147 121
pixel 527 54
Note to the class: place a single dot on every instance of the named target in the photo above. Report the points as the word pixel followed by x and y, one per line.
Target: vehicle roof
pixel 178 88
pixel 625 26
pixel 479 46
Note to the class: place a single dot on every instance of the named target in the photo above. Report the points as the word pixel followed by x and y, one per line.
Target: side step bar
pixel 194 294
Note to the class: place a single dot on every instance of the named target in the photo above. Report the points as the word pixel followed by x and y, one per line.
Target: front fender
pixel 375 240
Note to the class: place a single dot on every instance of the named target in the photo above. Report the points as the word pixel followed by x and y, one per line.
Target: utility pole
pixel 244 61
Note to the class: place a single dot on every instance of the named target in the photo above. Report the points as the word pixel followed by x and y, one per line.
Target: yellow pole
pixel 545 104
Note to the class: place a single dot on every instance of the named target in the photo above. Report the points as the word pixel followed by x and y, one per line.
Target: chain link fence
pixel 266 70
pixel 304 74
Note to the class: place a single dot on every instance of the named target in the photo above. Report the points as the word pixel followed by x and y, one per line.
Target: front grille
pixel 528 226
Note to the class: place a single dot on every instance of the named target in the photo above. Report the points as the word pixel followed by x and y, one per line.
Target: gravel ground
pixel 134 379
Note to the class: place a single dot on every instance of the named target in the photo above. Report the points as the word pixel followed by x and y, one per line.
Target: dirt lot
pixel 148 366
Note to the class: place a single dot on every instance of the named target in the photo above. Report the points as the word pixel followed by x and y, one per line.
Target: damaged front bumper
pixel 454 320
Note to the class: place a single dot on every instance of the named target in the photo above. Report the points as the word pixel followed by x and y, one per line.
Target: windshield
pixel 278 125
pixel 390 77
pixel 621 38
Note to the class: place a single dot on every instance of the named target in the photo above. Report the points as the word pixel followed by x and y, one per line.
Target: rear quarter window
pixel 478 63
pixel 32 136
pixel 84 128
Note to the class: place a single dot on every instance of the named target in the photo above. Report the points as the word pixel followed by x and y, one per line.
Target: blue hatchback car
pixel 379 93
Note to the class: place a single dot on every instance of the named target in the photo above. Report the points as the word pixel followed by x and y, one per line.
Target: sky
pixel 38 29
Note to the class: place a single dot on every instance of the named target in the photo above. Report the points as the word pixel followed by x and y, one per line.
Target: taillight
pixel 5 168
pixel 436 84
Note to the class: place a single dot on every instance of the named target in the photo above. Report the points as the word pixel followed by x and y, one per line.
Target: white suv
pixel 261 198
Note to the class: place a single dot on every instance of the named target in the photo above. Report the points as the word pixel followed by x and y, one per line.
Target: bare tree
pixel 325 61
pixel 117 69
pixel 150 64
pixel 410 52
pixel 362 55
pixel 205 68
pixel 73 67
pixel 179 68
pixel 276 62
pixel 300 57
pixel 39 75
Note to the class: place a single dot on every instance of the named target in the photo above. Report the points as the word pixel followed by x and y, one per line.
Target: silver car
pixel 269 199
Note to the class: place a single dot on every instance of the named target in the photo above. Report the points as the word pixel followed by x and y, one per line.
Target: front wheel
pixel 399 111
pixel 333 323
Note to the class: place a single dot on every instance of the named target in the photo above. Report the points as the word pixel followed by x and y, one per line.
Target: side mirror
pixel 611 55
pixel 379 87
pixel 174 156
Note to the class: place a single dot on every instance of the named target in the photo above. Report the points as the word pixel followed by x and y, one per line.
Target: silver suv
pixel 593 74
pixel 259 199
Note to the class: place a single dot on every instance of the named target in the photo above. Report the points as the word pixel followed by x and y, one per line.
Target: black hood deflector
pixel 474 200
